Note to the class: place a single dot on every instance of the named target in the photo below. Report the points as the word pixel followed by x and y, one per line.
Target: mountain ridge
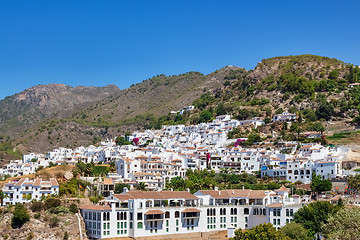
pixel 148 103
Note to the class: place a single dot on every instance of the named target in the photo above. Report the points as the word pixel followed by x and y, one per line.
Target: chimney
pixel 243 188
pixel 125 190
pixel 171 189
pixel 233 192
pixel 216 189
pixel 188 189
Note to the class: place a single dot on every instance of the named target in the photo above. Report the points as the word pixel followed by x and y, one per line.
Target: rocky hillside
pixel 307 84
pixel 23 110
pixel 43 225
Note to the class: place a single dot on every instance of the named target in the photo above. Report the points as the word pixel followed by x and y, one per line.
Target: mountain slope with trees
pixel 314 87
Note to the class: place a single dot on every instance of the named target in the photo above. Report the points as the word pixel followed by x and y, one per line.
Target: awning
pixel 150 212
pixel 191 210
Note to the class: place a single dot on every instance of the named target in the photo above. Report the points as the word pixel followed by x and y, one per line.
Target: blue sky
pixel 95 43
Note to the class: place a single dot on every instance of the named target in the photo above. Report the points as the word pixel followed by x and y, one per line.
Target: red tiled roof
pixel 95 207
pixel 191 210
pixel 54 182
pixel 150 212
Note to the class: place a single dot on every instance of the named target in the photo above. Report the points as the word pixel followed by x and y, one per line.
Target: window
pixel 287 212
pixel 140 225
pixel 167 214
pixel 246 211
pixel 139 216
pixel 278 221
pixel 291 212
pixel 274 221
pixel 177 214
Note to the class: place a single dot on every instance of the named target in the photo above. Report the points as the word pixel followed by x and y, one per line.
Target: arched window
pixel 235 211
pixel 221 210
pixel 140 225
pixel 118 216
pixel 224 211
pixel 246 211
pixel 177 214
pixel 264 211
pixel 291 212
pixel 287 212
pixel 213 212
pixel 104 216
pixel 125 215
pixel 296 172
pixel 231 211
pixel 167 214
pixel 208 212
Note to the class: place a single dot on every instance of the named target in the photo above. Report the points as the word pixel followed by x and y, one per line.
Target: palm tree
pixel 141 186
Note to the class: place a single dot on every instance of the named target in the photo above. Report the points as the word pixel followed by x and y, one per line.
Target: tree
pixel 141 186
pixel 325 110
pixel 122 141
pixel 265 231
pixel 119 188
pixel 317 127
pixel 354 182
pixel 319 185
pixel 344 225
pixel 314 215
pixel 205 116
pixel 20 216
pixel 220 109
pixel 2 196
pixel 295 231
pixel 334 74
pixel 112 167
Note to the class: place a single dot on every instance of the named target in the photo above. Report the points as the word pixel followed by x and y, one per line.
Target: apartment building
pixel 140 214
pixel 25 190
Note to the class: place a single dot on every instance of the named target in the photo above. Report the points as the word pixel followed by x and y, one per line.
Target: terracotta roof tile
pixel 96 207
pixel 191 210
pixel 150 212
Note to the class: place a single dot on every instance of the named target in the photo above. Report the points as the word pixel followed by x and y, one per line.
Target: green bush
pixel 54 221
pixel 36 206
pixel 20 216
pixel 37 215
pixel 51 203
pixel 59 210
pixel 73 208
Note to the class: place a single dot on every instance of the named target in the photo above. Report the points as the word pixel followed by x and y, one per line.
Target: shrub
pixel 30 236
pixel 66 235
pixel 51 203
pixel 36 206
pixel 73 208
pixel 37 215
pixel 54 221
pixel 20 216
pixel 59 210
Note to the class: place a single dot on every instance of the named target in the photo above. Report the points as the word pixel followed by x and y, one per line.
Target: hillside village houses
pixel 174 149
pixel 169 152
